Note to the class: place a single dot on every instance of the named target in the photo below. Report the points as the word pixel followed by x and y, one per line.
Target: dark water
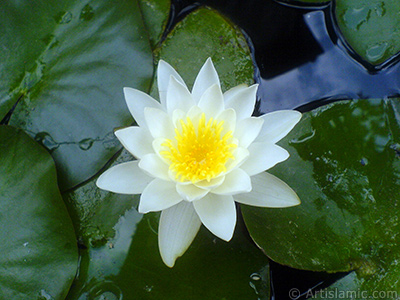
pixel 300 56
pixel 301 62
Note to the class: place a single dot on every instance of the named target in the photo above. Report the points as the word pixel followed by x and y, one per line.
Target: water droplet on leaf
pixel 86 144
pixel 46 140
pixel 105 290
pixel 380 9
pixel 44 296
pixel 148 288
pixel 87 13
pixel 364 161
pixel 377 51
pixel 110 141
pixel 255 276
pixel 63 17
pixel 355 17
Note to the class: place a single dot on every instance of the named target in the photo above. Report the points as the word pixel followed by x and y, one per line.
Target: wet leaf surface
pixel 345 167
pixel 205 33
pixel 69 73
pixel 370 28
pixel 39 257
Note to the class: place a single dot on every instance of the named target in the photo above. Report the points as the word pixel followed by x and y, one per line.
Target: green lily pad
pixel 39 256
pixel 205 33
pixel 345 167
pixel 95 212
pixel 67 66
pixel 155 16
pixel 370 28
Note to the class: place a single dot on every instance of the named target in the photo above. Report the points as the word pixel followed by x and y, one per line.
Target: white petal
pixel 125 178
pixel 212 101
pixel 218 214
pixel 235 182
pixel 157 147
pixel 213 183
pixel 159 123
pixel 269 191
pixel 178 97
pixel 229 118
pixel 277 125
pixel 177 116
pixel 233 91
pixel 164 73
pixel 247 130
pixel 177 229
pixel 158 195
pixel 241 155
pixel 190 192
pixel 137 140
pixel 243 102
pixel 137 101
pixel 263 156
pixel 194 114
pixel 207 77
pixel 153 165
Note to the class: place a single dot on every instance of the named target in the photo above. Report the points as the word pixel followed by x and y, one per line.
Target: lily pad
pixel 95 212
pixel 155 17
pixel 202 34
pixel 39 256
pixel 66 66
pixel 345 167
pixel 370 28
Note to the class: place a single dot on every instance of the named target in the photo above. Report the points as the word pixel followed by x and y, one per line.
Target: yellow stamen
pixel 199 152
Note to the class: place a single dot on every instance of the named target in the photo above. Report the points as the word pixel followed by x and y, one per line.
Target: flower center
pixel 199 152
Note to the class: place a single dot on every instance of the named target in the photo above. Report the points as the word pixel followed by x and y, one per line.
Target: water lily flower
pixel 197 153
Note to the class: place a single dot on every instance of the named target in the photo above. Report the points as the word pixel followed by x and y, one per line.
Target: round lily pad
pixel 205 33
pixel 345 166
pixel 39 256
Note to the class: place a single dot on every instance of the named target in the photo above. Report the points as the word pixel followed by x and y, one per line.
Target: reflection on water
pixel 333 74
pixel 299 57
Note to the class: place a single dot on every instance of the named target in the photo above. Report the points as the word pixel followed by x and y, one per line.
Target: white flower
pixel 198 152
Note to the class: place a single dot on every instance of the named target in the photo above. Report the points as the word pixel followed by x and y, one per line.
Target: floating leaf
pixel 345 167
pixel 39 256
pixel 155 16
pixel 202 34
pixel 67 62
pixel 370 28
pixel 95 212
